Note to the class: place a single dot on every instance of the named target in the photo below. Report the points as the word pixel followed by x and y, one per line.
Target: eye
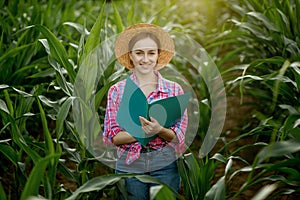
pixel 138 53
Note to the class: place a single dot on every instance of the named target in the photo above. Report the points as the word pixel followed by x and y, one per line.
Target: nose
pixel 145 58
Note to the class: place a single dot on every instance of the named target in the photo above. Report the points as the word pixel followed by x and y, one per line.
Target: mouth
pixel 145 66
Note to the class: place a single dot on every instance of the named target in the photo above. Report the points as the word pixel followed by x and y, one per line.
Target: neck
pixel 146 78
pixel 147 82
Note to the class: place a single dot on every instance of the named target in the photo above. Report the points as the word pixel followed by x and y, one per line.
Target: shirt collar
pixel 162 86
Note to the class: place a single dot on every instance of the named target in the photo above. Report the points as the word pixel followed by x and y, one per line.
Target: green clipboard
pixel 167 111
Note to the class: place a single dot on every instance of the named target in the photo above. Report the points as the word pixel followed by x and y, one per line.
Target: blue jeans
pixel 164 168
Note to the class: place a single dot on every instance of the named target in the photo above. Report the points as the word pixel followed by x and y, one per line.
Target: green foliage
pixel 263 43
pixel 57 63
pixel 50 58
pixel 36 175
pixel 48 72
pixel 196 175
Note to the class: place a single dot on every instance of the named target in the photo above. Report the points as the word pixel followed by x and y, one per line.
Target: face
pixel 144 55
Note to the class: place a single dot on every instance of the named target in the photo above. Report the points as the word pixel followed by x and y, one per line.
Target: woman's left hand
pixel 150 127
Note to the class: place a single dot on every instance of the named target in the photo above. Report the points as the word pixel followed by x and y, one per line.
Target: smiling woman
pixel 144 55
pixel 144 52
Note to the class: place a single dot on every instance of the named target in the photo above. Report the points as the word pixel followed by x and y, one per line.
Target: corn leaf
pixel 130 15
pixel 36 175
pixel 278 149
pixel 277 83
pixel 62 115
pixel 2 192
pixel 20 141
pixel 3 106
pixel 9 153
pixel 57 51
pixel 48 139
pixel 118 19
pixel 160 192
pixel 12 52
pixel 95 184
pixel 94 38
pixel 264 19
pixel 217 191
pixel 265 191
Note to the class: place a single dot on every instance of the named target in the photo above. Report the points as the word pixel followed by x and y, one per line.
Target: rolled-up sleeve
pixel 180 127
pixel 111 127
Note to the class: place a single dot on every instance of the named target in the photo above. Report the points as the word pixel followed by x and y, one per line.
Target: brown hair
pixel 141 36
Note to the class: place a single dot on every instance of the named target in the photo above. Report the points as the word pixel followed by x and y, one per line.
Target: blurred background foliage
pixel 44 54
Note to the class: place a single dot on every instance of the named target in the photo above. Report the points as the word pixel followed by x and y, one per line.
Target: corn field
pixel 53 83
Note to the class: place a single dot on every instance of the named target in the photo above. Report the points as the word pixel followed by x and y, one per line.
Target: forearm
pixel 123 137
pixel 167 134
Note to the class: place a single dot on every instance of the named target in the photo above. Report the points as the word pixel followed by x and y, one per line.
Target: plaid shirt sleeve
pixel 180 127
pixel 111 127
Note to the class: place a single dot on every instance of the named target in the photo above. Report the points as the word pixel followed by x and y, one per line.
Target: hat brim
pixel 166 51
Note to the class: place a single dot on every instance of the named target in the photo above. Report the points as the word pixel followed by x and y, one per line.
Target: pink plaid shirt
pixel 165 89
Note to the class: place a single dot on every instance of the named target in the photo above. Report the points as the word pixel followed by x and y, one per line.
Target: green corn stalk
pixel 36 175
pixel 196 175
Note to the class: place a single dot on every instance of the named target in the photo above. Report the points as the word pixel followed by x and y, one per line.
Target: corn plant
pixel 264 36
pixel 47 97
pixel 41 57
pixel 36 93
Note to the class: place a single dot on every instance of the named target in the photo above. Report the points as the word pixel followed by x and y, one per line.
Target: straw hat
pixel 166 50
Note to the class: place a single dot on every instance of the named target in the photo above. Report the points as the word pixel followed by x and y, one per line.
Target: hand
pixel 150 127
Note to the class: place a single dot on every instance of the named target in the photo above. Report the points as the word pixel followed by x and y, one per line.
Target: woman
pixel 144 49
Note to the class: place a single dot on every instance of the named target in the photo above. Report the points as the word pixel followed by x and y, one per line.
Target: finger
pixel 142 120
pixel 146 130
pixel 152 119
